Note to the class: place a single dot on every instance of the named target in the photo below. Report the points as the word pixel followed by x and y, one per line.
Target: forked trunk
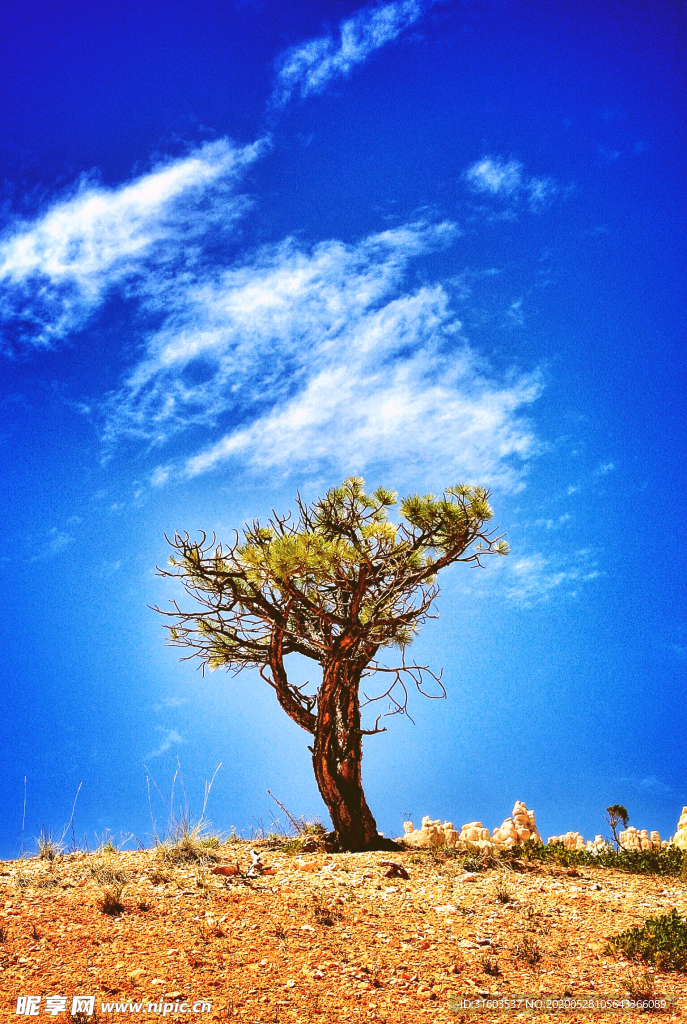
pixel 338 752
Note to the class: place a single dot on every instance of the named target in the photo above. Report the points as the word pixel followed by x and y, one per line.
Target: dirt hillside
pixel 326 937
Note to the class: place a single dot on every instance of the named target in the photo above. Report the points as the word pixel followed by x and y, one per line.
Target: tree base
pixel 337 844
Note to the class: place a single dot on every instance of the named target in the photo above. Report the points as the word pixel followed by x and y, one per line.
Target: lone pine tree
pixel 336 582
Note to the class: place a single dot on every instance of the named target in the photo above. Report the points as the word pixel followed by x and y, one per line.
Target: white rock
pixel 680 837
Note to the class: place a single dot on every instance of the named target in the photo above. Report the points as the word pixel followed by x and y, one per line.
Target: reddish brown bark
pixel 338 752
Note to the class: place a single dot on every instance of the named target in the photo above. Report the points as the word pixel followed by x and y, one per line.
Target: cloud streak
pixel 57 542
pixel 504 179
pixel 323 359
pixel 292 357
pixel 171 739
pixel 57 269
pixel 309 67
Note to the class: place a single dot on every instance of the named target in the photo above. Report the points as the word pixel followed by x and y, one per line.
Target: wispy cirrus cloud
pixel 505 179
pixel 56 270
pixel 534 579
pixel 57 541
pixel 171 738
pixel 323 357
pixel 309 67
pixel 291 356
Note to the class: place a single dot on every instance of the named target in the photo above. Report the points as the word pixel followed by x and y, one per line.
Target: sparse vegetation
pixel 529 950
pixel 201 876
pixel 324 914
pixel 159 875
pixel 490 965
pixel 111 899
pixel 660 941
pixel 107 873
pixel 640 987
pixel 188 843
pixel 502 892
pixel 670 861
pixel 48 846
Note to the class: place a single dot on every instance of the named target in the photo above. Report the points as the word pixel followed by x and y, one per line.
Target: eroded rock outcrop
pixel 521 827
pixel 570 840
pixel 680 837
pixel 517 829
pixel 432 833
pixel 639 839
pixel 514 831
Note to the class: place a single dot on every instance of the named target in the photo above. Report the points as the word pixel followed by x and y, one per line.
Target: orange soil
pixel 335 942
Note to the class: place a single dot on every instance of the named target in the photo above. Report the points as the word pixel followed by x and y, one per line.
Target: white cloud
pixel 325 360
pixel 107 570
pixel 495 176
pixel 170 702
pixel 293 357
pixel 57 542
pixel 160 476
pixel 56 270
pixel 604 469
pixel 533 579
pixel 505 179
pixel 310 66
pixel 424 414
pixel 171 738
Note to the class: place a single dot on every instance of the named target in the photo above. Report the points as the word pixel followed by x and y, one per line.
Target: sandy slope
pixel 334 943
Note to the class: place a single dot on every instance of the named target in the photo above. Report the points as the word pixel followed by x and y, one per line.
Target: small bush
pixel 48 883
pixel 291 847
pixel 325 915
pixel 443 853
pixel 106 874
pixel 528 950
pixel 502 892
pixel 111 899
pixel 3 933
pixel 641 988
pixel 158 875
pixel 47 845
pixel 187 843
pixel 661 941
pixel 202 876
pixel 490 965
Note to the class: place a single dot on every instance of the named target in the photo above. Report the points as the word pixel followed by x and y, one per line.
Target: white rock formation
pixel 598 845
pixel 432 833
pixel 514 830
pixel 518 828
pixel 639 839
pixel 474 832
pixel 570 840
pixel 680 837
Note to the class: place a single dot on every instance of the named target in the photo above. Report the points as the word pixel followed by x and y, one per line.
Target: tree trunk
pixel 338 752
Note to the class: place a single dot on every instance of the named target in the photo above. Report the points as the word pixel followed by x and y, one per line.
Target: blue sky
pixel 249 248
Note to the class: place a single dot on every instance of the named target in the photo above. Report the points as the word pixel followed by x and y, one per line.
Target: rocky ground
pixel 326 937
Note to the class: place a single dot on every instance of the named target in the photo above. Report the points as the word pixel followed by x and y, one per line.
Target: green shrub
pixel 660 940
pixel 291 847
pixel 669 861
